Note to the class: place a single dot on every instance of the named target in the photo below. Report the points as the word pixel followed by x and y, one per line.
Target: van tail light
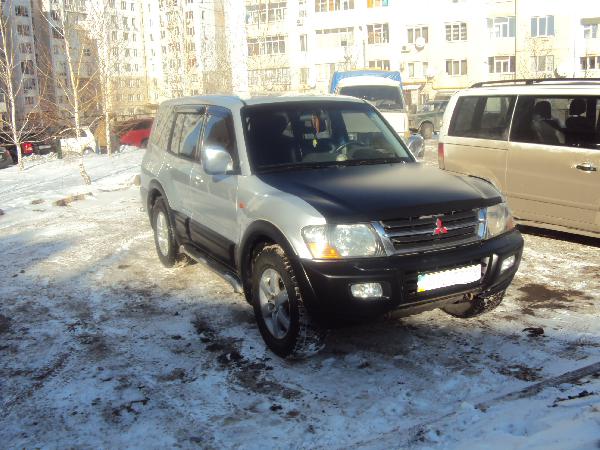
pixel 441 161
pixel 27 148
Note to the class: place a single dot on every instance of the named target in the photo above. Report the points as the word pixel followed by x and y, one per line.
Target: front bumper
pixel 325 285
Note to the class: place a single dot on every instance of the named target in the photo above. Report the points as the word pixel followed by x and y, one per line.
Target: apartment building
pixel 439 46
pixel 21 49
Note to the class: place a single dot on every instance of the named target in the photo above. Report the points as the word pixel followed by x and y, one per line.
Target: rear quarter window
pixel 161 128
pixel 482 117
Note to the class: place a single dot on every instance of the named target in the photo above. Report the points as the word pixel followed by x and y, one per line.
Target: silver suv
pixel 315 209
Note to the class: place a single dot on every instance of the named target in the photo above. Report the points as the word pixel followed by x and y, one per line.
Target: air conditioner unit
pixel 405 48
pixel 300 22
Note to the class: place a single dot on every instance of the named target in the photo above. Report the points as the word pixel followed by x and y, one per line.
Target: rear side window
pixel 558 120
pixel 482 117
pixel 186 134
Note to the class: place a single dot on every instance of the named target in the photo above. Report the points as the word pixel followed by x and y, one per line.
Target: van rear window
pixel 482 117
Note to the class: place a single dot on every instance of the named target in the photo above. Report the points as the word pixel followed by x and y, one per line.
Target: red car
pixel 137 135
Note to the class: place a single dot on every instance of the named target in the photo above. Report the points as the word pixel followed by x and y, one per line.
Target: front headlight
pixel 498 220
pixel 342 241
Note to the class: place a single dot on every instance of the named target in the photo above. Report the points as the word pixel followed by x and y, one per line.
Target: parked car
pixel 137 134
pixel 537 141
pixel 428 119
pixel 72 141
pixel 35 144
pixel 5 158
pixel 315 209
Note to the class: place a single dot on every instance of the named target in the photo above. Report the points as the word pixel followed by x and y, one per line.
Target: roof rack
pixel 530 81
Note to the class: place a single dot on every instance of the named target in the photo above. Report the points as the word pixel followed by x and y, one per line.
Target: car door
pixel 69 141
pixel 185 135
pixel 214 226
pixel 552 176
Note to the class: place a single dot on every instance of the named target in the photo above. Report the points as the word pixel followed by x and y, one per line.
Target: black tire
pixel 480 304
pixel 168 256
pixel 426 130
pixel 303 338
pixel 144 143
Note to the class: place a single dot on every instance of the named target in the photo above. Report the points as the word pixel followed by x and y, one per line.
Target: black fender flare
pixel 155 185
pixel 263 230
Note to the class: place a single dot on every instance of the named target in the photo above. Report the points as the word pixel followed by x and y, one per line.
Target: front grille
pixel 419 233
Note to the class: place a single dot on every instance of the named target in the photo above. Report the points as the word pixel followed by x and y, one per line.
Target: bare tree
pixel 75 79
pixel 534 61
pixel 20 123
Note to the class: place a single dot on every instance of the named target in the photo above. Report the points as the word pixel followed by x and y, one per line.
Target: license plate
pixel 446 278
pixel 44 146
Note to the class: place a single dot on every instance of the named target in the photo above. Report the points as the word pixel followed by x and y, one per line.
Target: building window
pixel 266 12
pixel 380 64
pixel 304 74
pixel 26 47
pixel 303 42
pixel 415 33
pixel 590 62
pixel 29 100
pixel 21 11
pixel 501 64
pixel 270 77
pixel 333 5
pixel 590 31
pixel 23 30
pixel 456 31
pixel 376 3
pixel 542 26
pixel 27 67
pixel 268 45
pixel 411 70
pixel 379 33
pixel 456 67
pixel 501 27
pixel 335 37
pixel 543 63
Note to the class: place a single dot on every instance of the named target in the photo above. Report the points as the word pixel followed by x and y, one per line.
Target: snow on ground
pixel 100 346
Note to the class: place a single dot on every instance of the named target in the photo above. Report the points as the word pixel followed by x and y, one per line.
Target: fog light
pixel 507 263
pixel 367 290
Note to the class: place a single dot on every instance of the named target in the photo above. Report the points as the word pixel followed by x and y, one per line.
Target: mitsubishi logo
pixel 439 228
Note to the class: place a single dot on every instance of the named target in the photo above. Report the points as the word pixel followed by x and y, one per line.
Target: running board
pixel 215 266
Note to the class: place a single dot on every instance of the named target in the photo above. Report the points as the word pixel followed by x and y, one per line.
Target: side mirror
pixel 216 161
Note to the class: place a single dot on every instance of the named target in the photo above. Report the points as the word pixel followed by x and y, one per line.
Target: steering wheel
pixel 346 144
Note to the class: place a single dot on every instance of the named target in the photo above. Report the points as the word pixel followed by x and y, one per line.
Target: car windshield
pixel 289 136
pixel 382 97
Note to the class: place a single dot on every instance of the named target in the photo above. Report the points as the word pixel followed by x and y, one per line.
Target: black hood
pixel 382 192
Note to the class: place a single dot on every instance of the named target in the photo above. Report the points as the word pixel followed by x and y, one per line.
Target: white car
pixel 72 141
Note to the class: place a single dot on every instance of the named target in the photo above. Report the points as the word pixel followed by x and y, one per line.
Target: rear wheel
pixel 476 306
pixel 282 318
pixel 166 247
pixel 426 130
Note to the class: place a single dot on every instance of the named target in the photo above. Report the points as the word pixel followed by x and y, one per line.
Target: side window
pixel 554 120
pixel 483 117
pixel 192 127
pixel 219 132
pixel 176 134
pixel 463 118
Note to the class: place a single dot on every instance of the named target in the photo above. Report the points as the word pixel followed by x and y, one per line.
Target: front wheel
pixel 475 306
pixel 282 318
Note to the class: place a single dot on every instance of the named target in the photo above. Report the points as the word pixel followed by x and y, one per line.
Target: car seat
pixel 270 145
pixel 578 128
pixel 545 128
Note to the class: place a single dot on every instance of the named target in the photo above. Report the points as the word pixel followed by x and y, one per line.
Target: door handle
pixel 586 167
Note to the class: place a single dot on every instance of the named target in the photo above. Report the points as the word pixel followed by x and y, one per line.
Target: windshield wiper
pixel 297 166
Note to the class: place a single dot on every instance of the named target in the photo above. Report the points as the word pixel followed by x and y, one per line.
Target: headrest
pixel 577 107
pixel 268 124
pixel 543 109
